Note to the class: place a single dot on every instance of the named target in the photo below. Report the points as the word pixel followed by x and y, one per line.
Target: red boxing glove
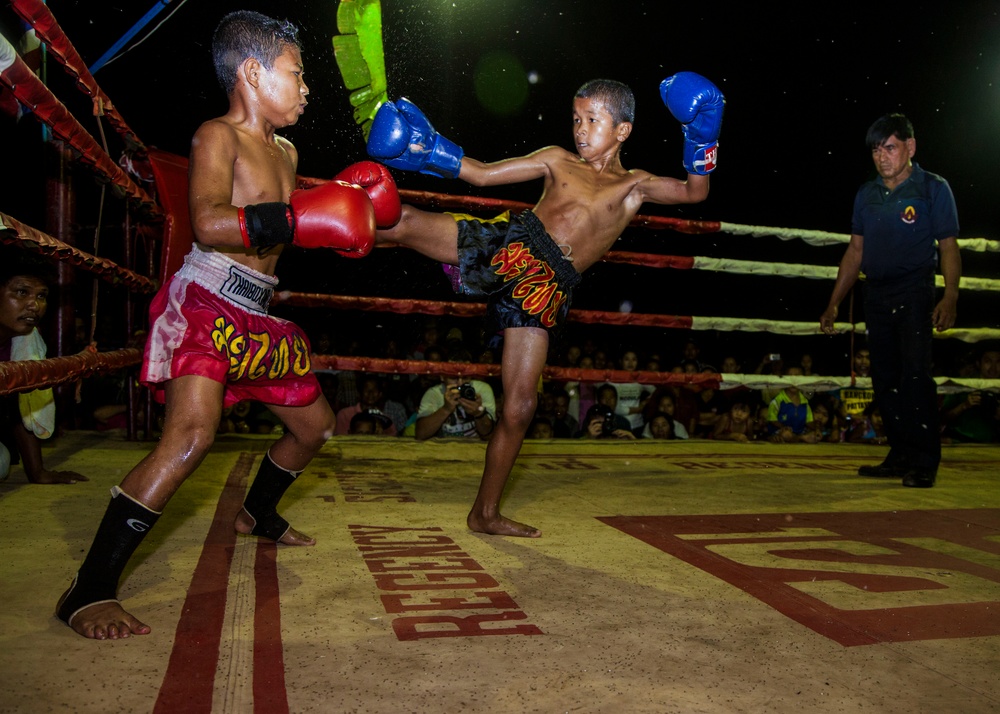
pixel 380 186
pixel 335 215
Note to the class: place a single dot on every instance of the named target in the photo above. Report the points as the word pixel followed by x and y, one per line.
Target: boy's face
pixel 630 361
pixel 608 399
pixel 23 301
pixel 282 86
pixel 594 131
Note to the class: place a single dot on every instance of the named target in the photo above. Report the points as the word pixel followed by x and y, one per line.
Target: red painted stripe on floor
pixel 269 693
pixel 190 677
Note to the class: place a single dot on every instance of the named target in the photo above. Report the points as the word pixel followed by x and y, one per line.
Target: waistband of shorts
pixel 242 286
pixel 548 250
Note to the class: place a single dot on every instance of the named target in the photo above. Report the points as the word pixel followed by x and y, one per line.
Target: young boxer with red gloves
pixel 526 266
pixel 211 341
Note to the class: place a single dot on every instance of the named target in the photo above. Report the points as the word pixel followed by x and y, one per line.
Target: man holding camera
pixel 457 407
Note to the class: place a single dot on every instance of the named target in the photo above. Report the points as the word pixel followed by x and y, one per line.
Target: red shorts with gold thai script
pixel 514 263
pixel 210 319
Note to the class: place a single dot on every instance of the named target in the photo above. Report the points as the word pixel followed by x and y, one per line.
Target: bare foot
pixel 104 621
pixel 245 523
pixel 47 477
pixel 501 526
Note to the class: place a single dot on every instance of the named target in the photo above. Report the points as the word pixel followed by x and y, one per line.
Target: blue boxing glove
pixel 402 138
pixel 697 104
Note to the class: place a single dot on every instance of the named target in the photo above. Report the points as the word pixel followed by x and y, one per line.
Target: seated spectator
pixel 851 402
pixel 601 422
pixel 735 425
pixel 540 429
pixel 806 363
pixel 761 427
pixel 789 415
pixel 826 420
pixel 28 417
pixel 974 417
pixel 632 396
pixel 691 354
pixel 373 398
pixel 869 429
pixel 711 406
pixel 607 395
pixel 664 403
pixel 456 407
pixel 731 365
pixel 661 426
pixel 363 424
pixel 564 425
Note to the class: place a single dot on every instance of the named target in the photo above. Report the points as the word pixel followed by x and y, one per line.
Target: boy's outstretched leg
pixel 524 353
pixel 306 430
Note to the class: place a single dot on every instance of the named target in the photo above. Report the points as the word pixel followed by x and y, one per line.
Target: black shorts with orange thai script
pixel 514 263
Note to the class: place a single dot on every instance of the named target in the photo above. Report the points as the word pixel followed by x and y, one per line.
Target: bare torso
pixel 259 169
pixel 586 209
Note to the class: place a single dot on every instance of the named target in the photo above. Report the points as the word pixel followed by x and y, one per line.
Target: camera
pixel 608 426
pixel 467 391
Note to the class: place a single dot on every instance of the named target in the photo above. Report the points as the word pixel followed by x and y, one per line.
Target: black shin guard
pixel 125 524
pixel 262 499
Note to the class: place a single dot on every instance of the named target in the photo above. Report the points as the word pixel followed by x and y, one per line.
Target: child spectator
pixel 541 429
pixel 735 425
pixel 664 403
pixel 826 420
pixel 869 429
pixel 789 416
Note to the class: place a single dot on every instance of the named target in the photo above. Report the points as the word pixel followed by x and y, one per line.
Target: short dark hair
pixel 617 98
pixel 887 126
pixel 362 418
pixel 16 261
pixel 607 388
pixel 740 402
pixel 243 34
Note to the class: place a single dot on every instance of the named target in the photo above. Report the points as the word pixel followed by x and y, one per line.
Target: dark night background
pixel 802 84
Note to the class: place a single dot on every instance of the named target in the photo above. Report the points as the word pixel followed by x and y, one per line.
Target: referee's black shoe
pixel 919 478
pixel 884 470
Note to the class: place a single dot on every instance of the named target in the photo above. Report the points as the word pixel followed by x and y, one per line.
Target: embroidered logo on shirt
pixel 909 215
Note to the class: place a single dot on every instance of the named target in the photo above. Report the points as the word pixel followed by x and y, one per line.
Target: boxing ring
pixel 671 576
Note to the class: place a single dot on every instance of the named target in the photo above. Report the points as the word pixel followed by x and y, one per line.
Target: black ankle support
pixel 122 529
pixel 268 486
